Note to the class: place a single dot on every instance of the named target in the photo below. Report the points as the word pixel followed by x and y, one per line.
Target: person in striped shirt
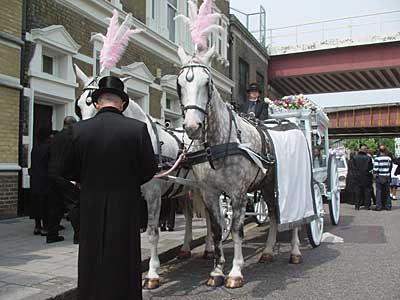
pixel 382 172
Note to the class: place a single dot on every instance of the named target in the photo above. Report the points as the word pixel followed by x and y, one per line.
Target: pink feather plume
pixel 115 41
pixel 201 23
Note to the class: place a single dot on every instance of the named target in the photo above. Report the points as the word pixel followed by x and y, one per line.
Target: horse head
pixel 84 107
pixel 195 89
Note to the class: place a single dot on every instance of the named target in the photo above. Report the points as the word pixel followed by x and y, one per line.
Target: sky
pixel 306 11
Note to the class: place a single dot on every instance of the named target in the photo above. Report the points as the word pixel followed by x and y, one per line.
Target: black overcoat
pixel 363 166
pixel 112 157
pixel 39 175
pixel 261 109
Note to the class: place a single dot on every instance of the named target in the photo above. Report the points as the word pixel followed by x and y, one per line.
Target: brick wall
pixel 8 196
pixel 10 57
pixel 9 61
pixel 10 17
pixel 9 125
pixel 256 64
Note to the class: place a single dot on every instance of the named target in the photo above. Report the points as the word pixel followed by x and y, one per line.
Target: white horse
pixel 155 188
pixel 208 119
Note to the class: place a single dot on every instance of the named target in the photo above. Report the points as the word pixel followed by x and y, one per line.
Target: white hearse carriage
pixel 313 122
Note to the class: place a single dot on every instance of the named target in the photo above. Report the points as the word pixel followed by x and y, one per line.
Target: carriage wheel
pixel 334 203
pixel 226 214
pixel 316 227
pixel 261 210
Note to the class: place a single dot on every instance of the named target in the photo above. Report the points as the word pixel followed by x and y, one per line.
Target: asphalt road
pixel 366 266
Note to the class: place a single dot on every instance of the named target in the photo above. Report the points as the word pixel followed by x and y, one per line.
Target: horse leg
pixel 268 253
pixel 152 194
pixel 209 249
pixel 235 278
pixel 295 255
pixel 188 213
pixel 211 200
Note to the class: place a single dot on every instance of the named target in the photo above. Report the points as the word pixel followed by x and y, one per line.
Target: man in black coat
pixel 112 157
pixel 255 105
pixel 39 181
pixel 63 193
pixel 363 167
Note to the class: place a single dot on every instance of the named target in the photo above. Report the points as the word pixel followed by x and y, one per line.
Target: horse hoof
pixel 151 283
pixel 215 281
pixel 208 255
pixel 266 258
pixel 295 259
pixel 184 254
pixel 234 282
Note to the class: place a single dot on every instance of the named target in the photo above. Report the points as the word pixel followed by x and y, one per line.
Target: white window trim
pixel 97 45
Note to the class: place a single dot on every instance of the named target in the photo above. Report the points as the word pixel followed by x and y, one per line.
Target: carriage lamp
pixel 314 125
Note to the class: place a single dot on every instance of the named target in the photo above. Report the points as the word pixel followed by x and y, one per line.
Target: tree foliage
pixel 372 144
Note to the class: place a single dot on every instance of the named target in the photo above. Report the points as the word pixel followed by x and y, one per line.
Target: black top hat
pixel 253 87
pixel 112 85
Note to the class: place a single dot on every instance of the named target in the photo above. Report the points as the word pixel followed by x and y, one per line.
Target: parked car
pixel 342 170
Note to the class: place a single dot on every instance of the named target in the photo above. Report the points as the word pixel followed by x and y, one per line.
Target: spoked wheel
pixel 334 201
pixel 261 210
pixel 315 229
pixel 226 214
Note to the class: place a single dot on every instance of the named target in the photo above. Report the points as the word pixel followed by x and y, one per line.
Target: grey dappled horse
pixel 155 188
pixel 207 118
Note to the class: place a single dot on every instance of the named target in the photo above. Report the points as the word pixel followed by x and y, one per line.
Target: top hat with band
pixel 111 85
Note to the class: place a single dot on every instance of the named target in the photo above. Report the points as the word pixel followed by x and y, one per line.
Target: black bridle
pixel 190 78
pixel 205 110
pixel 210 86
pixel 91 88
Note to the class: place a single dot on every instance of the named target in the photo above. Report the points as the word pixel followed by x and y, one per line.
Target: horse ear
pixel 183 56
pixel 81 76
pixel 208 56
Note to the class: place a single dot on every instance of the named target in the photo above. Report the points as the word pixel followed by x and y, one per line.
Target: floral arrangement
pixel 289 103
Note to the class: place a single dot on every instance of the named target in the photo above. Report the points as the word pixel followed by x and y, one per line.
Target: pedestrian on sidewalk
pixel 39 180
pixel 363 168
pixel 63 193
pixel 382 172
pixel 112 157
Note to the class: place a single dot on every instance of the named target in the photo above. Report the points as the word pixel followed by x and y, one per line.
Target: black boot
pixel 54 239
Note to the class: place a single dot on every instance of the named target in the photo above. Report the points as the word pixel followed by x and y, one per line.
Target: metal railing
pixel 322 32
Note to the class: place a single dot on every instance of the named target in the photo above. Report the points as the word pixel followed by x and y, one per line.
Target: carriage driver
pixel 254 104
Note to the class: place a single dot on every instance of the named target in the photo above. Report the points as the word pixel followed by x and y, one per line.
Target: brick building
pixel 248 61
pixel 60 34
pixel 11 45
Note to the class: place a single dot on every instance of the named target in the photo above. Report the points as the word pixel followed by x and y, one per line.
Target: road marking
pixel 328 237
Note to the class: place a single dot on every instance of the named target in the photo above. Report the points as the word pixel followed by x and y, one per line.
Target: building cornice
pixel 10 82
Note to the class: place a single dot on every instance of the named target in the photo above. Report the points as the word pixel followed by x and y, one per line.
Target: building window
pixel 261 83
pixel 153 9
pixel 243 80
pixel 47 64
pixel 172 8
pixel 168 103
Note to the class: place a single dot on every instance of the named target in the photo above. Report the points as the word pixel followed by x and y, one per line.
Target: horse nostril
pixel 200 125
pixel 184 126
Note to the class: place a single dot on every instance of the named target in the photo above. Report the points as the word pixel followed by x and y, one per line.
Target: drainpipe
pixel 21 203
